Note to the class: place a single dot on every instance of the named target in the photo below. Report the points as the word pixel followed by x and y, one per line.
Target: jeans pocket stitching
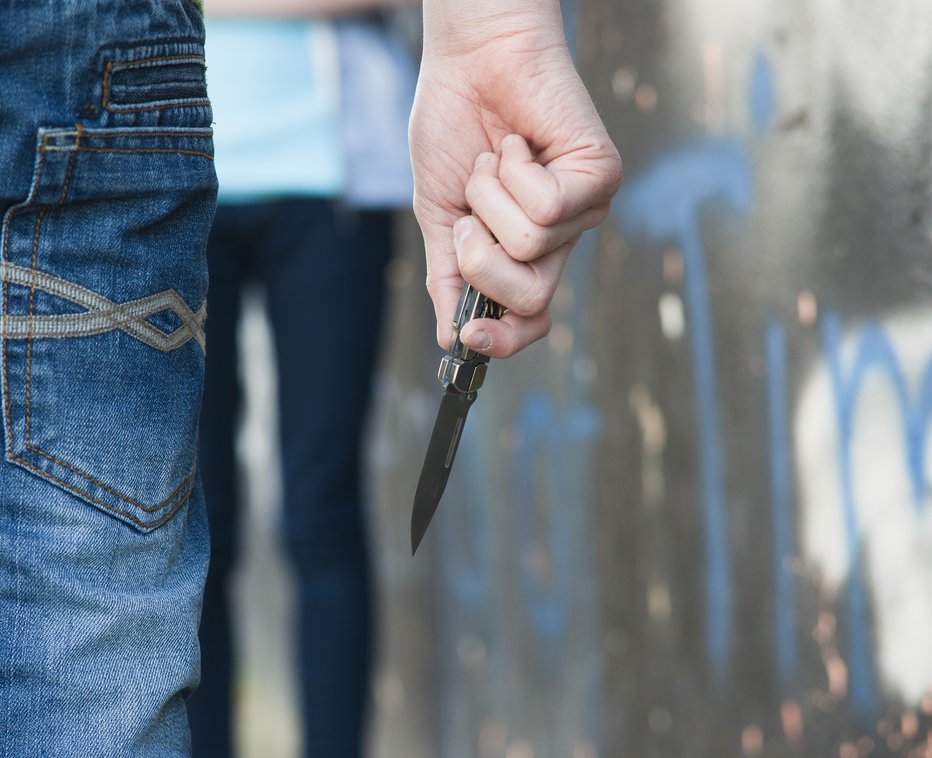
pixel 101 314
pixel 182 499
pixel 141 150
pixel 32 290
pixel 114 66
pixel 82 137
pixel 128 500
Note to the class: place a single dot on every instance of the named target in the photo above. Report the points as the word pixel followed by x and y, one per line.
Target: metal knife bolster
pixel 461 369
pixel 461 376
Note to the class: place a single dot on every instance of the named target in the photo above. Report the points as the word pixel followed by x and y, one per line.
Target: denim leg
pixel 326 269
pixel 107 192
pixel 97 626
pixel 229 252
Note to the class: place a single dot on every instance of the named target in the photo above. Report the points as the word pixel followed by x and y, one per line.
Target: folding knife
pixel 462 372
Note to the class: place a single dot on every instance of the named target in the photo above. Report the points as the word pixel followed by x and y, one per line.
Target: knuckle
pixel 599 215
pixel 616 171
pixel 533 302
pixel 547 210
pixel 472 262
pixel 530 243
pixel 539 301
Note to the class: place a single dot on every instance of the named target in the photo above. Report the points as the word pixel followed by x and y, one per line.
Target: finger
pixel 524 288
pixel 521 237
pixel 444 295
pixel 583 179
pixel 443 275
pixel 506 336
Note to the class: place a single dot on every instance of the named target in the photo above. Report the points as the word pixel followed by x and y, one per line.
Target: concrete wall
pixel 695 521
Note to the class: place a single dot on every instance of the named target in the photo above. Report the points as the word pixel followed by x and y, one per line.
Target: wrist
pixel 455 27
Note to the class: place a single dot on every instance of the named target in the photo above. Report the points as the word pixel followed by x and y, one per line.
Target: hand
pixel 511 164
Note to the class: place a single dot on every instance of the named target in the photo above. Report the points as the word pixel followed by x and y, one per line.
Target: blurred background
pixel 695 520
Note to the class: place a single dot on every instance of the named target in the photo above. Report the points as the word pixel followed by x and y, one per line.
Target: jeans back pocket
pixel 103 309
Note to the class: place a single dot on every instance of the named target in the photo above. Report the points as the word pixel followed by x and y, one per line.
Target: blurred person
pixel 107 196
pixel 306 210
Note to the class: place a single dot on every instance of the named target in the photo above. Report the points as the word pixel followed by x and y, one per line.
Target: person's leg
pixel 211 707
pixel 107 191
pixel 326 268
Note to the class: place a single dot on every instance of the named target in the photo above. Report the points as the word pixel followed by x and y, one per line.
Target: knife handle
pixel 462 369
pixel 472 304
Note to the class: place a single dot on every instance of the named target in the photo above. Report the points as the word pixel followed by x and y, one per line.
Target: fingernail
pixel 478 340
pixel 482 159
pixel 462 229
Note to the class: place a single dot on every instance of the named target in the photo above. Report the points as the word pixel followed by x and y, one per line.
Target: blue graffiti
pixel 468 560
pixel 781 489
pixel 580 268
pixel 873 352
pixel 548 437
pixel 664 205
pixel 762 96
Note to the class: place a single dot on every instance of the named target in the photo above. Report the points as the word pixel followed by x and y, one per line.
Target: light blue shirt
pixel 274 87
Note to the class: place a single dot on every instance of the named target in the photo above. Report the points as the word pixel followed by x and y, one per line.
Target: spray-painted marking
pixel 781 482
pixel 664 206
pixel 874 351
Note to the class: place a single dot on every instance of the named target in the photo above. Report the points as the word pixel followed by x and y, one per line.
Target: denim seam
pixel 80 134
pixel 32 289
pixel 8 221
pixel 147 508
pixel 32 295
pixel 155 106
pixel 134 150
pixel 84 494
pixel 155 61
pixel 119 133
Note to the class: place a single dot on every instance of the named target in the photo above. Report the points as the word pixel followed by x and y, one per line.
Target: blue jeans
pixel 321 265
pixel 107 193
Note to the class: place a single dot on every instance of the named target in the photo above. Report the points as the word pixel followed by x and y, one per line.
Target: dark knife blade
pixel 462 372
pixel 444 441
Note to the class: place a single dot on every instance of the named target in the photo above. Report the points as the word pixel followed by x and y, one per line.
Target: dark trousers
pixel 322 268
